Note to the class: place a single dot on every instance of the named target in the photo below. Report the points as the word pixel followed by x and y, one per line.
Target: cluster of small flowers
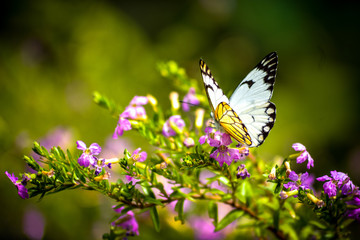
pixel 136 156
pixel 135 111
pixel 337 185
pixel 88 158
pixel 224 154
pixel 302 181
pixel 172 126
pixel 354 206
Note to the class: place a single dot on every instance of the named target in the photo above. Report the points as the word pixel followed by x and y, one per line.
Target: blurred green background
pixel 54 54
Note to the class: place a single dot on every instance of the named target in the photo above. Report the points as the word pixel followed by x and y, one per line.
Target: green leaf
pixel 179 194
pixel 242 192
pixel 317 224
pixel 179 208
pixel 215 191
pixel 278 188
pixel 347 222
pixel 155 218
pixel 147 191
pixel 213 212
pixel 229 218
pixel 153 200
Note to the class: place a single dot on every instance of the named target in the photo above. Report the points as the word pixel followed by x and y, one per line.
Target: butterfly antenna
pixel 194 105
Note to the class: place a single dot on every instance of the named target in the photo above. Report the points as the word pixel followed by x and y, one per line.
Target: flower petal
pixel 95 149
pixel 324 178
pixel 302 158
pixel 298 147
pixel 226 139
pixel 293 176
pixel 139 100
pixel 310 162
pixel 209 130
pixel 202 139
pixel 136 151
pixel 143 156
pixel 81 145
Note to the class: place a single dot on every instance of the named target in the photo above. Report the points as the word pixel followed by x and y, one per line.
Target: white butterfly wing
pixel 250 99
pixel 213 91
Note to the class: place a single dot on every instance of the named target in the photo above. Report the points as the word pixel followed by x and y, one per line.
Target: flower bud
pixel 318 202
pixel 288 169
pixel 285 195
pixel 199 117
pixel 153 102
pixel 102 177
pixel 272 175
pixel 49 173
pixel 189 142
pixel 174 98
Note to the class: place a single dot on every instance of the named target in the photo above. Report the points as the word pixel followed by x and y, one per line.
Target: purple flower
pixel 190 99
pixel 173 125
pixel 307 181
pixel 293 176
pixel 305 155
pixel 304 181
pixel 347 187
pixel 131 179
pixel 338 180
pixel 126 221
pixel 87 157
pixel 22 190
pixel 223 154
pixel 100 164
pixel 135 110
pixel 210 133
pixel 354 213
pixel 122 125
pixel 138 156
pixel 242 172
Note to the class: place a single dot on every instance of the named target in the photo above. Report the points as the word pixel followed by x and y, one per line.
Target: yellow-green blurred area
pixel 54 54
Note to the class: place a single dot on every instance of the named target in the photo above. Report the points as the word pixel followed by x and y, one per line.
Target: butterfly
pixel 248 116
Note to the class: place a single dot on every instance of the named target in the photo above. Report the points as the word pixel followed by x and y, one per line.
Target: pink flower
pixel 223 154
pixel 87 157
pixel 190 99
pixel 138 156
pixel 131 179
pixel 337 181
pixel 242 172
pixel 173 125
pixel 22 190
pixel 189 142
pixel 305 155
pixel 135 110
pixel 122 125
pixel 210 133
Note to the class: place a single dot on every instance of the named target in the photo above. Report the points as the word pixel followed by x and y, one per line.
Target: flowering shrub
pixel 262 198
